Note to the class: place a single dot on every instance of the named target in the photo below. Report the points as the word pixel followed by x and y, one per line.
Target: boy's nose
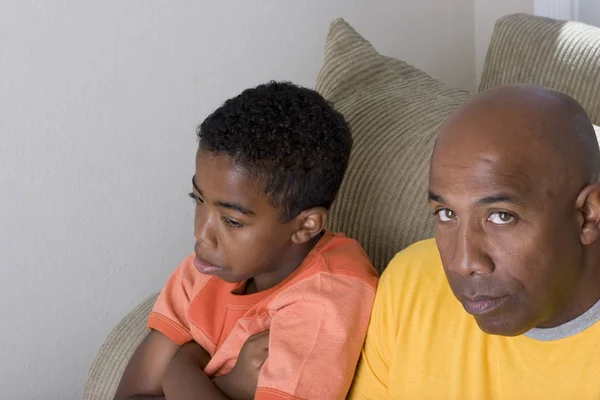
pixel 204 232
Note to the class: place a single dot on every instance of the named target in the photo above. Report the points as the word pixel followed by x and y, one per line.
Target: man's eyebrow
pixel 435 197
pixel 500 198
pixel 232 206
pixel 487 200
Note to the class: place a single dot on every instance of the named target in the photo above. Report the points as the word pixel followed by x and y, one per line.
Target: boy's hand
pixel 241 382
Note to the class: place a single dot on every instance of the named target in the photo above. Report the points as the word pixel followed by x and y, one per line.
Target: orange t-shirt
pixel 317 319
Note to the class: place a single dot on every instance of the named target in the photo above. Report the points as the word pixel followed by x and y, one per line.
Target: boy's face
pixel 239 234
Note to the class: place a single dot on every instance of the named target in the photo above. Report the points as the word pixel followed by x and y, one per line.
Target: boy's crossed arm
pixel 160 368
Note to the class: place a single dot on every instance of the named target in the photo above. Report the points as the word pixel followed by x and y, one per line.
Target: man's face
pixel 239 234
pixel 508 237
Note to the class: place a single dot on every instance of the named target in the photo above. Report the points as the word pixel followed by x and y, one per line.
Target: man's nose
pixel 470 257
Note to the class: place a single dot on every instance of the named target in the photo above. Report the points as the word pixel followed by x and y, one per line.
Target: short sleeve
pixel 169 314
pixel 372 374
pixel 317 331
pixel 400 279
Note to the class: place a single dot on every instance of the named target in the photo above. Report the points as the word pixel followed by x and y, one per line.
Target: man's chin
pixel 499 326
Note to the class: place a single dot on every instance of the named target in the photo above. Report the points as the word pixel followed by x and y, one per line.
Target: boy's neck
pixel 293 259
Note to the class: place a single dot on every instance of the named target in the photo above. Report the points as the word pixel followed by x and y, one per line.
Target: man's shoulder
pixel 415 279
pixel 420 260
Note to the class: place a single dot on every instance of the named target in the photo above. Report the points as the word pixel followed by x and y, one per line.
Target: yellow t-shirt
pixel 421 344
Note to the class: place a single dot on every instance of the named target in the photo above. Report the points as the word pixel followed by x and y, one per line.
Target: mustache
pixel 476 286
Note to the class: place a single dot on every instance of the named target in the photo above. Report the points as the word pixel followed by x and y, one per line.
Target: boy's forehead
pixel 220 179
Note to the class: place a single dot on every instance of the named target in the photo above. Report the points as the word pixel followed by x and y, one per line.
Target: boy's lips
pixel 205 268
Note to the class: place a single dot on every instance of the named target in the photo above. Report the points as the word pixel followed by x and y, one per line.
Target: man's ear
pixel 310 223
pixel 588 203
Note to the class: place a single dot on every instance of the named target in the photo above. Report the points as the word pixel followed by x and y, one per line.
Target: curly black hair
pixel 287 137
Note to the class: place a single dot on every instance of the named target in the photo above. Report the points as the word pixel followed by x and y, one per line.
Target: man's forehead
pixel 483 175
pixel 522 138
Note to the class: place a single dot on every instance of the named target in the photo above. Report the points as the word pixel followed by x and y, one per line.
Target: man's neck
pixel 584 308
pixel 573 327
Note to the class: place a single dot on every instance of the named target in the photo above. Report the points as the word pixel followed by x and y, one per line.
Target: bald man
pixel 505 302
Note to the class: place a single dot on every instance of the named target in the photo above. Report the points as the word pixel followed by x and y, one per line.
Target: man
pixel 505 302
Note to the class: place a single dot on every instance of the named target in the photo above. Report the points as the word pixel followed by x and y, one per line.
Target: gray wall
pixel 589 12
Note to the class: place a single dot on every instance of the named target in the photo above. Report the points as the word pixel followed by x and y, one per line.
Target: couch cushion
pixel 394 111
pixel 564 56
pixel 112 358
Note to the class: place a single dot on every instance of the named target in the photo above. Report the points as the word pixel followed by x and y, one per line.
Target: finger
pixel 262 341
pixel 263 362
pixel 258 336
pixel 263 356
pixel 265 341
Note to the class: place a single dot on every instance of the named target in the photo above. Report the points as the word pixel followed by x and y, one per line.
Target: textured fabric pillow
pixel 394 111
pixel 112 358
pixel 564 56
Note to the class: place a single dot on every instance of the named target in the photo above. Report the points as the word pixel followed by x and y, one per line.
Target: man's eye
pixel 231 223
pixel 501 218
pixel 197 199
pixel 445 215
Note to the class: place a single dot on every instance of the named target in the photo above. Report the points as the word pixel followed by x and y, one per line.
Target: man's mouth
pixel 206 268
pixel 481 305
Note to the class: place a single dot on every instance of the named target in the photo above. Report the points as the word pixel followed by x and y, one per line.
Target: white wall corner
pixel 557 9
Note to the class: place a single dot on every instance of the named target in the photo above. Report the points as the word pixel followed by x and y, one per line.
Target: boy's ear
pixel 310 223
pixel 588 202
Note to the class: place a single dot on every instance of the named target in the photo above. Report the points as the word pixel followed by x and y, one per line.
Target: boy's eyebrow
pixel 194 184
pixel 231 206
pixel 236 207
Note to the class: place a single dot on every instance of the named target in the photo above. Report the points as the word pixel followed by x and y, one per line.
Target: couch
pixel 394 111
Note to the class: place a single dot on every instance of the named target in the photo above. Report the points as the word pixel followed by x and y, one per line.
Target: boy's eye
pixel 501 218
pixel 231 223
pixel 445 215
pixel 197 199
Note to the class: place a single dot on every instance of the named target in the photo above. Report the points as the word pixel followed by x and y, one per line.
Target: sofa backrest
pixel 564 56
pixel 394 111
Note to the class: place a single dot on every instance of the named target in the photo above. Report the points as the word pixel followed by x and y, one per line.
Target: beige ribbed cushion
pixel 107 369
pixel 564 56
pixel 394 111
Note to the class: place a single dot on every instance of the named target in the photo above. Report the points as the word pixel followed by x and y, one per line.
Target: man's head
pixel 513 184
pixel 269 165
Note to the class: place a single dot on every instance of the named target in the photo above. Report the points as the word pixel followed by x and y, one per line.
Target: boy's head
pixel 269 164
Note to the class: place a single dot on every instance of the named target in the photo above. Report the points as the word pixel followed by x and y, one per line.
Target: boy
pixel 269 164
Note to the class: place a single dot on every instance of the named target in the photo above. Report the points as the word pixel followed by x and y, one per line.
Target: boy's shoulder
pixel 336 255
pixel 345 255
pixel 330 281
